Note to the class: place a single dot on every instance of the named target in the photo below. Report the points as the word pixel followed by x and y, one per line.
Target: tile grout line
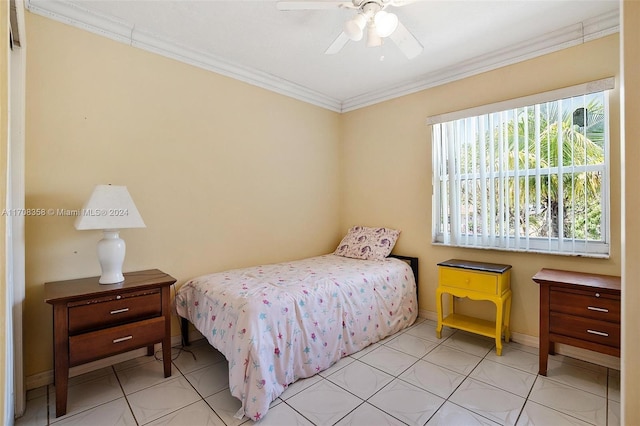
pixel 463 380
pixel 527 398
pixel 125 396
pixel 404 381
pixel 608 380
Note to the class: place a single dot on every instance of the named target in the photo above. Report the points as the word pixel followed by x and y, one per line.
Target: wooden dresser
pixel 93 321
pixel 578 309
pixel 477 281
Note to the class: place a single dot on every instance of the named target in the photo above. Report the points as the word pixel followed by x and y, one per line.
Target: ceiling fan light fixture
pixel 354 28
pixel 373 39
pixel 386 23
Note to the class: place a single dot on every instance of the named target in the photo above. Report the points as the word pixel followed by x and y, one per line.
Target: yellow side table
pixel 477 281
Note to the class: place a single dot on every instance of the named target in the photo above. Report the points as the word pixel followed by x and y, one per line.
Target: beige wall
pixel 223 173
pixel 387 173
pixel 4 134
pixel 630 385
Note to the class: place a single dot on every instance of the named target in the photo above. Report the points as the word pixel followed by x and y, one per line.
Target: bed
pixel 281 322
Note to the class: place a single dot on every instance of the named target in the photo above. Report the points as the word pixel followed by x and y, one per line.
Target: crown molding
pixel 552 42
pixel 78 17
pixel 153 43
pixel 124 32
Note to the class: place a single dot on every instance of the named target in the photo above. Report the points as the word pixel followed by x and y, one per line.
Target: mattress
pixel 281 322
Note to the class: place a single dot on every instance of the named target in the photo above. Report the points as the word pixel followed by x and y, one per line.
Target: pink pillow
pixel 366 243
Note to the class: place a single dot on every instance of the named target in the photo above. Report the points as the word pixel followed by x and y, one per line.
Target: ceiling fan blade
pixel 406 42
pixel 337 45
pixel 399 3
pixel 313 5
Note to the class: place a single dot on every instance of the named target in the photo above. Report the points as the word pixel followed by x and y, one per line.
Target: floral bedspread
pixel 278 323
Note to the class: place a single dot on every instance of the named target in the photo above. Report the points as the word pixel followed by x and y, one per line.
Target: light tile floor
pixel 409 378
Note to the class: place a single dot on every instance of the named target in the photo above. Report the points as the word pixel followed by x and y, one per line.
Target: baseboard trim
pixel 46 378
pixel 427 315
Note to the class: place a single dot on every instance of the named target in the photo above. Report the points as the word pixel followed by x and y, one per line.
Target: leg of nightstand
pixel 507 316
pixel 62 381
pixel 499 321
pixel 545 347
pixel 166 341
pixel 61 356
pixel 439 311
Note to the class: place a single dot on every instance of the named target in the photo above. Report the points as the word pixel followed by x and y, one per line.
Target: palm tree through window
pixel 531 178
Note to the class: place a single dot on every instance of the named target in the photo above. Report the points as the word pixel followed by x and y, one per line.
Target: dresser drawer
pixel 602 332
pixel 472 280
pixel 604 307
pixel 108 311
pixel 110 341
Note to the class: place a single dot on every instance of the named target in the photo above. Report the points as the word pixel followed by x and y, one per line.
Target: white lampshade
pixel 110 208
pixel 354 28
pixel 386 23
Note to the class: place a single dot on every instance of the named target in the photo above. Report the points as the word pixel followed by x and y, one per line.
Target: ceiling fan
pixel 370 14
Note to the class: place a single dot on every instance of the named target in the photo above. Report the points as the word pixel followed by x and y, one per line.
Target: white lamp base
pixel 111 250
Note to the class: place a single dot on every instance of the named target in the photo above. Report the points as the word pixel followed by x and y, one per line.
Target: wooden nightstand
pixel 93 321
pixel 578 309
pixel 477 281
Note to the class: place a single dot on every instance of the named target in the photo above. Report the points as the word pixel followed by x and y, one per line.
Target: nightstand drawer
pixel 602 332
pixel 99 344
pixel 474 281
pixel 108 311
pixel 605 307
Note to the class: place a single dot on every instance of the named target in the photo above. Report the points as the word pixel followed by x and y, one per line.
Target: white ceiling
pixel 283 51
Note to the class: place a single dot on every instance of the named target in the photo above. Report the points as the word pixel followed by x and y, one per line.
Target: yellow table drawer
pixel 472 280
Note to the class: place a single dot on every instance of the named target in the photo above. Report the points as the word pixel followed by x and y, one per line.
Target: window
pixel 525 175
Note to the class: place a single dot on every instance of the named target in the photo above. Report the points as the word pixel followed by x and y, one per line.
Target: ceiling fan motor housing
pixel 371 14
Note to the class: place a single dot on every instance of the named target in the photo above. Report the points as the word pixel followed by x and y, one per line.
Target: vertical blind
pixel 528 177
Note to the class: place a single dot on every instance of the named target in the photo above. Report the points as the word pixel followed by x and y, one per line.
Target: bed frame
pixel 412 261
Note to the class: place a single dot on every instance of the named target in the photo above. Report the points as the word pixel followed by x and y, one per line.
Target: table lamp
pixel 110 208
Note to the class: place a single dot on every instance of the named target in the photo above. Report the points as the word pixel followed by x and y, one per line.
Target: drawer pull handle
pixel 599 333
pixel 122 339
pixel 119 311
pixel 593 308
